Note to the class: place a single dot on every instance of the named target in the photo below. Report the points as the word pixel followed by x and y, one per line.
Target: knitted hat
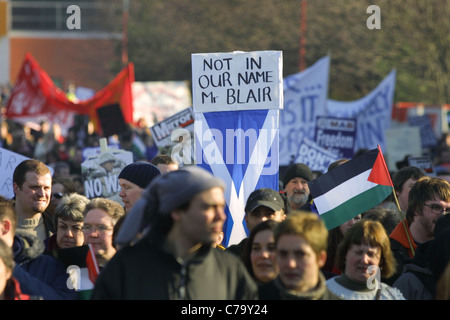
pixel 140 173
pixel 297 170
pixel 164 194
pixel 264 197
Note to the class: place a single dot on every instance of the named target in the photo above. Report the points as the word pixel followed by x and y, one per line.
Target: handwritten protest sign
pixel 236 100
pixel 237 81
pixel 8 162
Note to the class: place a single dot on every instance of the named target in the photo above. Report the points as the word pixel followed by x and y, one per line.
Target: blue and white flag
pixel 373 113
pixel 241 148
pixel 305 98
pixel 236 99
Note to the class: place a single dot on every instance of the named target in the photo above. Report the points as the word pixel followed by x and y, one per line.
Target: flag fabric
pixel 82 268
pixel 35 97
pixel 351 188
pixel 372 112
pixel 305 98
pixel 241 148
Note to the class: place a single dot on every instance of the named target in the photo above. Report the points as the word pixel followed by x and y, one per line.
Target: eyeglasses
pixel 58 195
pixel 437 209
pixel 101 229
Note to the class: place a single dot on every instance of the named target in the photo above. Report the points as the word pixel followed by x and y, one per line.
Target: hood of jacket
pixel 26 247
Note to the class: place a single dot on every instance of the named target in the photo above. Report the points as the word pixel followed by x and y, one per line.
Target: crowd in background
pixel 266 254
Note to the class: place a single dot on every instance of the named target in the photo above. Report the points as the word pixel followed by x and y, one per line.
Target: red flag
pixel 35 97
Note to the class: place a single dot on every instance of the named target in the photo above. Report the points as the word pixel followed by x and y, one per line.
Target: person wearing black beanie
pixel 133 179
pixel 295 184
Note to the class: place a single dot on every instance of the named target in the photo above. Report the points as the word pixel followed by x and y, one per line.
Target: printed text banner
pixel 305 97
pixel 373 113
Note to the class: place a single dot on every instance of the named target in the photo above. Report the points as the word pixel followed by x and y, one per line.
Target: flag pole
pixel 403 221
pixel 398 206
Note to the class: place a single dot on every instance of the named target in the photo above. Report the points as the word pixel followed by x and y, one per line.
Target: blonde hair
pixel 306 225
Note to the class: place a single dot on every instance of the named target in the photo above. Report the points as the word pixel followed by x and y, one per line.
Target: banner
pixel 155 101
pixel 35 98
pixel 305 97
pixel 237 97
pixel 373 113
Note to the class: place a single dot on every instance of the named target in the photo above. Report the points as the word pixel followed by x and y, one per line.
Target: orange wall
pixel 83 62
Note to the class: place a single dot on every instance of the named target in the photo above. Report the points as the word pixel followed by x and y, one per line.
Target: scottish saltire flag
pixel 236 99
pixel 351 188
pixel 373 113
pixel 241 148
pixel 305 97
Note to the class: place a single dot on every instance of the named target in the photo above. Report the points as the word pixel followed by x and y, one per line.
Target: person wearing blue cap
pixel 133 179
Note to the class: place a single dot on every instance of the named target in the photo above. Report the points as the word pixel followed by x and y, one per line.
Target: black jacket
pixel 147 271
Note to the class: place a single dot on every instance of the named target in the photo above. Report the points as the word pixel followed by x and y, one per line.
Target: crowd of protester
pixel 162 242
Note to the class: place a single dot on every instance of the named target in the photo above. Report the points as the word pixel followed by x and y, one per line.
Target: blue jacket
pixel 39 274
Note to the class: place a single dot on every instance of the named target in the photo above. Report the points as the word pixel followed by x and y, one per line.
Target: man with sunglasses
pixel 428 199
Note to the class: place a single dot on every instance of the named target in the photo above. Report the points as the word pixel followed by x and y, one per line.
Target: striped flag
pixel 82 268
pixel 351 188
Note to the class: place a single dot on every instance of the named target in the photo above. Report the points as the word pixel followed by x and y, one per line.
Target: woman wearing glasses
pixel 428 199
pixel 101 216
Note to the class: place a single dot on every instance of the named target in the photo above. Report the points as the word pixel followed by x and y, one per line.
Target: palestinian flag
pixel 82 267
pixel 351 188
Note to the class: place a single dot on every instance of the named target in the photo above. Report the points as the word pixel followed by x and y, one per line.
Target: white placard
pixel 237 81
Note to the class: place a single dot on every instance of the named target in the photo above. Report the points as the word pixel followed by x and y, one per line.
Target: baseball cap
pixel 264 197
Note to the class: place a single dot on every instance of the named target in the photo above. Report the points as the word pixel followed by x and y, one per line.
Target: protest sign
pixel 237 140
pixel 373 113
pixel 401 142
pixel 8 162
pixel 314 156
pixel 305 97
pixel 337 135
pixel 427 134
pixel 237 81
pixel 167 133
pixel 424 163
pixel 100 173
